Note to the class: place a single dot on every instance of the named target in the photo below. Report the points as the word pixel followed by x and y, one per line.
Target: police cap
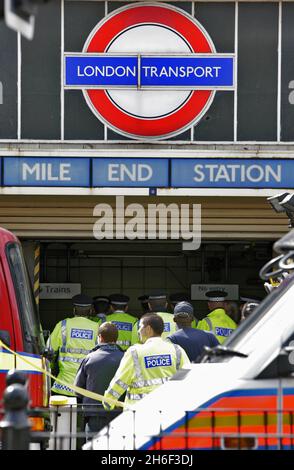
pixel 101 298
pixel 216 295
pixel 157 296
pixel 178 297
pixel 143 299
pixel 119 299
pixel 82 300
pixel 184 309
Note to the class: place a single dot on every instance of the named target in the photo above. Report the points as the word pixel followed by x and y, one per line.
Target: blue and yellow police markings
pixel 22 364
pixel 7 361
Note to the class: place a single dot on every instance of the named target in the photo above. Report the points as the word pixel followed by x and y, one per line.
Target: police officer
pixel 191 339
pixel 122 320
pixel 217 321
pixel 178 297
pixel 146 366
pixel 158 304
pixel 143 299
pixel 101 306
pixel 71 340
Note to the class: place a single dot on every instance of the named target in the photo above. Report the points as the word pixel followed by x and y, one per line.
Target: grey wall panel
pixel 79 20
pixel 8 85
pixel 80 122
pixel 257 71
pixel 111 6
pixel 287 75
pixel 186 6
pixel 112 135
pixel 219 22
pixel 218 123
pixel 40 77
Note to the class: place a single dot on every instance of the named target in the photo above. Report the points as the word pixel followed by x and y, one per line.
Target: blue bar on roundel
pixel 100 71
pixel 46 171
pixel 194 71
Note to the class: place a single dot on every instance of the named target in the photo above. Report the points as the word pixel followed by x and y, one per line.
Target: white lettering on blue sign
pixel 81 334
pixel 130 172
pixel 163 360
pixel 106 71
pixel 45 172
pixel 188 71
pixel 166 327
pixel 123 326
pixel 231 173
pixel 182 72
pixel 223 331
pixel 238 172
pixel 133 172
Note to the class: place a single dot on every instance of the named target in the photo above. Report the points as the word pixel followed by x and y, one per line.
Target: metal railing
pixel 217 429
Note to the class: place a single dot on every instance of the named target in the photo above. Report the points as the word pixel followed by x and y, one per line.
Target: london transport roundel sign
pixel 149 71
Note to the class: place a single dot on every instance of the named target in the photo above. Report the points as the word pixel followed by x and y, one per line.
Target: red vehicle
pixel 20 327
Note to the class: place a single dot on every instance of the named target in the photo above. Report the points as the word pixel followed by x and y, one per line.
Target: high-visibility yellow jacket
pixel 124 323
pixel 170 327
pixel 72 339
pixel 145 367
pixel 100 318
pixel 218 323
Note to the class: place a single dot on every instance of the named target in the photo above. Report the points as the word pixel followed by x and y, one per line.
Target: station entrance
pixel 237 234
pixel 136 268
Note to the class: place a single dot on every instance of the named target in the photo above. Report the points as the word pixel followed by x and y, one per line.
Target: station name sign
pixel 147 172
pixel 106 71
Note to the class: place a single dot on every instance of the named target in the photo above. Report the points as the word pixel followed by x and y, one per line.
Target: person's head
pixel 119 302
pixel 183 314
pixel 247 300
pixel 101 304
pixel 247 309
pixel 157 303
pixel 232 310
pixel 216 299
pixel 150 325
pixel 144 303
pixel 82 305
pixel 107 333
pixel 177 297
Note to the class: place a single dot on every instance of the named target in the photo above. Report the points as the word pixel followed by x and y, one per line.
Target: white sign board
pixel 198 290
pixel 59 291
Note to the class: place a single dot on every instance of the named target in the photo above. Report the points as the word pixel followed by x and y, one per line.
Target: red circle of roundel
pixel 115 117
